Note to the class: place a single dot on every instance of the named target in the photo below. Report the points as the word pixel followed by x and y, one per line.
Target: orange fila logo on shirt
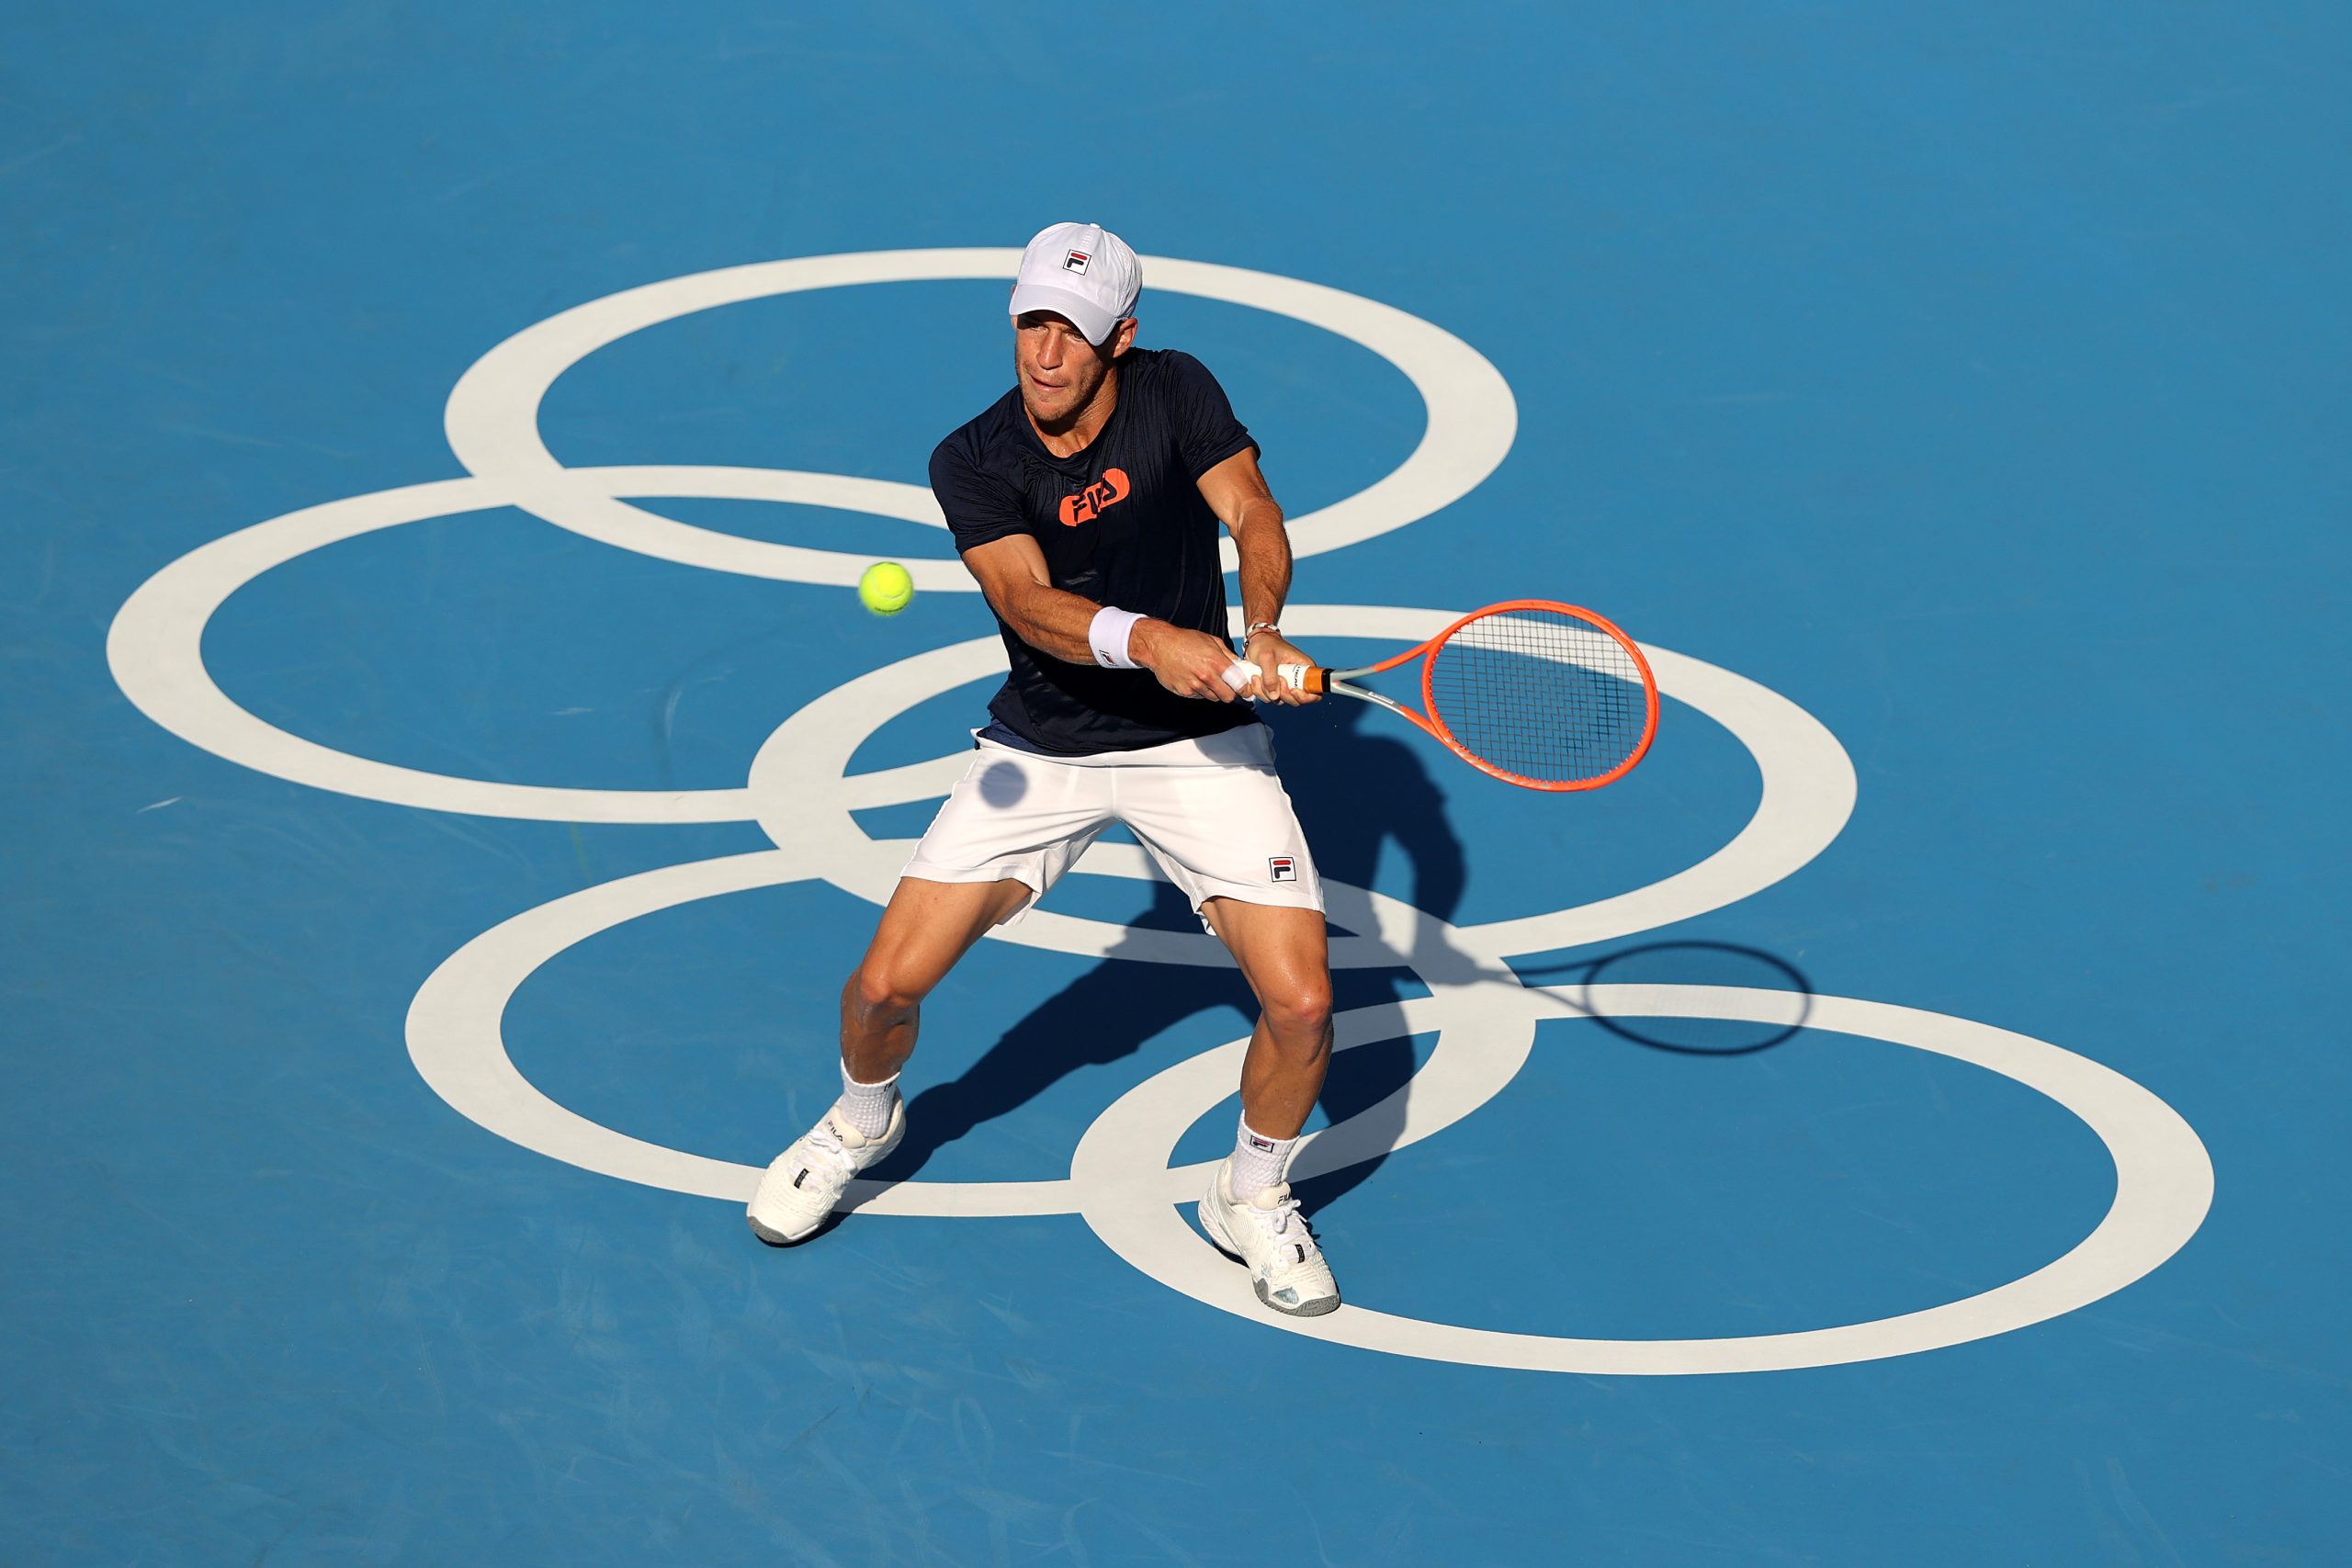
pixel 1089 503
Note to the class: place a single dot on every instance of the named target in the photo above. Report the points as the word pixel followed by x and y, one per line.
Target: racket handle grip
pixel 1306 678
pixel 1240 672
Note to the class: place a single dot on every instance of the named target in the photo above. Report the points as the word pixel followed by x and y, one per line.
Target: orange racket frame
pixel 1314 678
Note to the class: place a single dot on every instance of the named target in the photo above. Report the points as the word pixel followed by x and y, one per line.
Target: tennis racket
pixel 1539 695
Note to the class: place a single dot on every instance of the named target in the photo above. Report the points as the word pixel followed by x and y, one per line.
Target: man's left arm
pixel 1236 491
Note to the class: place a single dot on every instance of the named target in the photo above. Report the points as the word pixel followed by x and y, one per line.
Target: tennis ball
pixel 886 589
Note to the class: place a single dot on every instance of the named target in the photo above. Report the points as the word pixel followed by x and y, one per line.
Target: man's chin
pixel 1047 413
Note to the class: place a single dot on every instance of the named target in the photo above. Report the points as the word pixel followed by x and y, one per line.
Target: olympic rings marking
pixel 1484 1017
pixel 493 417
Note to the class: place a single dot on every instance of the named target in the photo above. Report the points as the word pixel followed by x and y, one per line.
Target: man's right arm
pixel 1012 572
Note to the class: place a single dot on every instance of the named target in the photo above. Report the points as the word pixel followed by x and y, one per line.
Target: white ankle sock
pixel 867 1106
pixel 1258 1162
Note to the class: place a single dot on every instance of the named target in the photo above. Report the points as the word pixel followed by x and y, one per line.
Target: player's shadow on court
pixel 1356 792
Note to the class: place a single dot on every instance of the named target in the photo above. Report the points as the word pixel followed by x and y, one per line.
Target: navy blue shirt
pixel 1121 523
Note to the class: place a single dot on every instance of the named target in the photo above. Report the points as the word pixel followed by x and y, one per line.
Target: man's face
pixel 1060 372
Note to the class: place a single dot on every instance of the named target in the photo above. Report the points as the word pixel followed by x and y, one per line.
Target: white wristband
pixel 1107 633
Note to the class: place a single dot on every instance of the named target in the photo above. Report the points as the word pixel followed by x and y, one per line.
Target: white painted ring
pixel 803 799
pixel 492 416
pixel 2164 1187
pixel 155 645
pixel 457 1042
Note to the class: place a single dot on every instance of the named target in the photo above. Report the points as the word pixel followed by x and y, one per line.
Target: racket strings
pixel 1539 694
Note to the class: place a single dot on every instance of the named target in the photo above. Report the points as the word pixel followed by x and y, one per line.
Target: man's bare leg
pixel 1286 955
pixel 926 929
pixel 1249 1211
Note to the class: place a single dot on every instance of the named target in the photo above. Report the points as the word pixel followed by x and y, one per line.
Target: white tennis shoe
pixel 804 1182
pixel 1270 1234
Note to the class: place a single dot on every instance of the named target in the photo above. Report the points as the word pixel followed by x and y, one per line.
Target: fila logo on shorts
pixel 1076 262
pixel 1284 868
pixel 1089 503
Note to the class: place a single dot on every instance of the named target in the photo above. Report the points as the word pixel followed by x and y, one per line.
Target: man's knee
pixel 883 990
pixel 1300 1010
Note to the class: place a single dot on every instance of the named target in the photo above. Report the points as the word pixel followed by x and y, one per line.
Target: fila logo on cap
pixel 1283 868
pixel 1082 272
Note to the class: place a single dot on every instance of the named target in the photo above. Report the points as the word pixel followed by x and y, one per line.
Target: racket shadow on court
pixel 1607 989
pixel 1356 792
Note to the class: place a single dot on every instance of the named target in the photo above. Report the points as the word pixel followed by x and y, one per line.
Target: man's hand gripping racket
pixel 1540 694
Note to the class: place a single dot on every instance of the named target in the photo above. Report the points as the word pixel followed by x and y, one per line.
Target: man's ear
pixel 1123 337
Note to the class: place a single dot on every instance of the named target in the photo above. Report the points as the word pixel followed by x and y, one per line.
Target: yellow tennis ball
pixel 886 589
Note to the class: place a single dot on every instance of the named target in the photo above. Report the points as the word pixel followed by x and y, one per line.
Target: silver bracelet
pixel 1257 626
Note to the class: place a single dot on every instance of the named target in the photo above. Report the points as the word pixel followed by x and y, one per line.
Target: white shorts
pixel 1211 812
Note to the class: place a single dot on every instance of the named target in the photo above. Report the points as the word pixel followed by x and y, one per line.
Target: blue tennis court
pixel 452 773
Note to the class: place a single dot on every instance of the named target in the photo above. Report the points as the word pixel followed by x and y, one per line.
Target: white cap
pixel 1082 271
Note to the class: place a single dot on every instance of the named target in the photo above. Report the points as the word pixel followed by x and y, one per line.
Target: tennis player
pixel 1086 501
